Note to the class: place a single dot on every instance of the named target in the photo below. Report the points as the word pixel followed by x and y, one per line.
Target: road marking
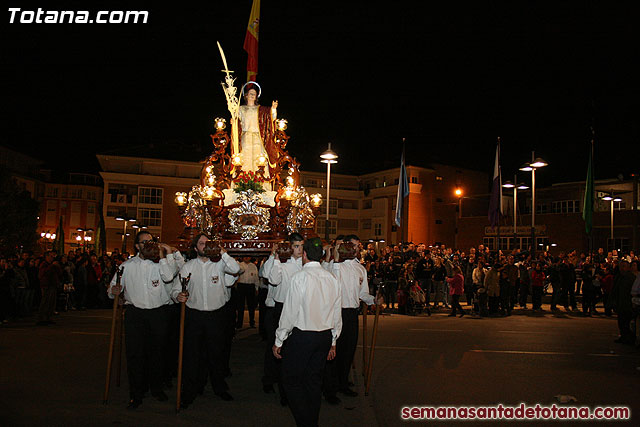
pixel 521 352
pixel 547 333
pixel 90 333
pixel 540 353
pixel 399 348
pixel 97 317
pixel 438 330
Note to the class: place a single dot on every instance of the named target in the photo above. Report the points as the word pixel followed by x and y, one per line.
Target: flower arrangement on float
pixel 249 180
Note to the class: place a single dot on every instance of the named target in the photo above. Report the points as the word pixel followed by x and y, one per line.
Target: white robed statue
pixel 256 131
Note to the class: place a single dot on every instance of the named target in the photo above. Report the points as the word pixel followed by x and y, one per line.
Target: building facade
pixel 558 221
pixel 77 200
pixel 143 189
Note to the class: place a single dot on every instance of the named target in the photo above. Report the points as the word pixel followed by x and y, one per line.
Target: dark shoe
pixel 252 326
pixel 224 396
pixel 268 388
pixel 332 400
pixel 348 392
pixel 134 403
pixel 160 396
pixel 462 314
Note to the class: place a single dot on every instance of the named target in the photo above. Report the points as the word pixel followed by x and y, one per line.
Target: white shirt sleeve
pixel 290 309
pixel 231 265
pixel 337 316
pixel 275 275
pixel 266 267
pixel 169 267
pixel 328 266
pixel 113 283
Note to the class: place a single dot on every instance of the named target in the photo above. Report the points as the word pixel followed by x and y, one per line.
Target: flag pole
pixel 499 204
pixel 591 190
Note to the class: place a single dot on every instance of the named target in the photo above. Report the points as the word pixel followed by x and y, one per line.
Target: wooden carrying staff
pixel 120 339
pixel 114 318
pixel 365 308
pixel 184 281
pixel 373 347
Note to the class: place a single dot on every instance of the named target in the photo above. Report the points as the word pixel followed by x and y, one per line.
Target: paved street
pixel 55 375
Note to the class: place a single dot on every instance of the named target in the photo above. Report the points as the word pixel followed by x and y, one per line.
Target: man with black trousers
pixel 247 289
pixel 309 327
pixel 270 370
pixel 280 276
pixel 146 285
pixel 205 299
pixel 352 279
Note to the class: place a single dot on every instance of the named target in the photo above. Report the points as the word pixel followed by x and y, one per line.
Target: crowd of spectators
pixel 411 278
pixel 47 283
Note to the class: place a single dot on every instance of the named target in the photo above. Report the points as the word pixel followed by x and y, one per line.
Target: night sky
pixel 449 78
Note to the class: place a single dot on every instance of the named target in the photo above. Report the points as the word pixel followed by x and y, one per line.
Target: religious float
pixel 250 196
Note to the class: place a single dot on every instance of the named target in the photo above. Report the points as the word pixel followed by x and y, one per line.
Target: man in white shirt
pixel 145 285
pixel 205 299
pixel 309 328
pixel 263 291
pixel 247 289
pixel 352 278
pixel 270 370
pixel 280 277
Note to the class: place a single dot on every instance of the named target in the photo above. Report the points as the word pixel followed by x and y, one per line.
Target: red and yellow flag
pixel 251 41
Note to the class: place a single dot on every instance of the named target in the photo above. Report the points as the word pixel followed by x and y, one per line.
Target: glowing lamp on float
pixel 220 123
pixel 282 124
pixel 181 198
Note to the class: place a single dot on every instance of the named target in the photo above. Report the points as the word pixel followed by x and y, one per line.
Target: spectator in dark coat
pixel 620 301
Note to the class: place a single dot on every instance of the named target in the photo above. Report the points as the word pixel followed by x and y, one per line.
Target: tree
pixel 18 218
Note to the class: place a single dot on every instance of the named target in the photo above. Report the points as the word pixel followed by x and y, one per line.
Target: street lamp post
pixel 84 240
pixel 458 193
pixel 48 238
pixel 535 163
pixel 124 231
pixel 515 187
pixel 329 157
pixel 612 199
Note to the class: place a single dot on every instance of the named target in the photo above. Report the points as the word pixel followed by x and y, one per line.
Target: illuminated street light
pixel 515 187
pixel 124 230
pixel 535 163
pixel 611 198
pixel 329 157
